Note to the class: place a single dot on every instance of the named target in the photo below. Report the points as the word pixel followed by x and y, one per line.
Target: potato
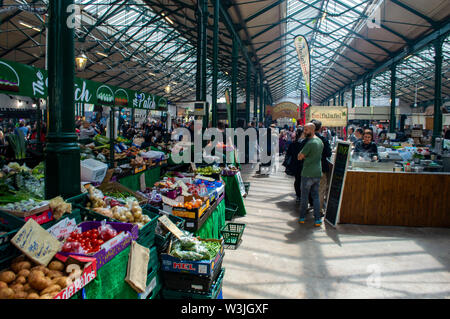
pixel 6 293
pixel 20 280
pixel 61 281
pixel 16 287
pixel 50 289
pixel 54 294
pixel 7 276
pixel 56 265
pixel 20 295
pixel 24 272
pixel 3 285
pixel 33 296
pixel 54 274
pixel 19 259
pixel 38 281
pixel 16 267
pixel 45 270
pixel 47 296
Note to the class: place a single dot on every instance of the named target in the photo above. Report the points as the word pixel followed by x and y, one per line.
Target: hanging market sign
pixel 24 80
pixel 283 110
pixel 301 44
pixel 330 116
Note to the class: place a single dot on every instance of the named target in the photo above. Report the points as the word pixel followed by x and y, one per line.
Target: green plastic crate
pixel 230 211
pixel 232 233
pixel 212 294
pixel 154 286
pixel 153 264
pixel 147 233
pixel 10 225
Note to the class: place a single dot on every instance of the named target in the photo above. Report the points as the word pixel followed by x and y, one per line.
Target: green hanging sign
pixel 24 80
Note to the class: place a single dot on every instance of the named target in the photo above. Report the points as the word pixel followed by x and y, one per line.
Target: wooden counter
pixel 396 199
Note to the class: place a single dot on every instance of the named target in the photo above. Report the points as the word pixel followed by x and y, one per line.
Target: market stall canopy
pixel 151 44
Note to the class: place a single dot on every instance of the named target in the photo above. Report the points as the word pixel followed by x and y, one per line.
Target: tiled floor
pixel 281 259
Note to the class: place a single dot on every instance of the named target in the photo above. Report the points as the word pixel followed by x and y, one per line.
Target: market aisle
pixel 282 259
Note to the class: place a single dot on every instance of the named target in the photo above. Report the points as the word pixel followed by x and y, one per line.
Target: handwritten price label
pixel 36 243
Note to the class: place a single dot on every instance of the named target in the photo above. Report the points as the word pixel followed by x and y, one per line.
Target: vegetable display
pixel 26 280
pixel 129 212
pixel 190 248
pixel 25 205
pixel 89 242
pixel 17 142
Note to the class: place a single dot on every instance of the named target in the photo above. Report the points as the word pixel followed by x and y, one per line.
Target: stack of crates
pixel 159 243
pixel 185 279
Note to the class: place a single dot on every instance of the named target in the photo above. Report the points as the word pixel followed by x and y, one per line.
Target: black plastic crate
pixel 213 293
pixel 188 282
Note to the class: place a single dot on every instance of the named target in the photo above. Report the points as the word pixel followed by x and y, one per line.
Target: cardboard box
pixel 113 246
pixel 195 213
pixel 89 266
pixel 202 267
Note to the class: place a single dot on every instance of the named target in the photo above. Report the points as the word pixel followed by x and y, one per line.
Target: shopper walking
pixel 311 155
pixel 325 160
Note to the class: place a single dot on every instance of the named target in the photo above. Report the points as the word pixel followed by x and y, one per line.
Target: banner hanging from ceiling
pixel 24 80
pixel 301 44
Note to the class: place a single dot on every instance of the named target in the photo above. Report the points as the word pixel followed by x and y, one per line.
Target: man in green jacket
pixel 311 155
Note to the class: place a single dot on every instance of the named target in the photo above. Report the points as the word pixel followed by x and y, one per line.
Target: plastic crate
pixel 93 170
pixel 232 233
pixel 230 211
pixel 153 264
pixel 147 233
pixel 10 225
pixel 162 240
pixel 154 286
pixel 213 293
pixel 190 283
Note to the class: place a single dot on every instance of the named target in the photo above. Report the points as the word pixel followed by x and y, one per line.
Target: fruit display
pixel 26 280
pixel 230 171
pixel 190 205
pixel 208 170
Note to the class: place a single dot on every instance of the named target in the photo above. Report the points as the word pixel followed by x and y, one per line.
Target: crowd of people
pixel 28 129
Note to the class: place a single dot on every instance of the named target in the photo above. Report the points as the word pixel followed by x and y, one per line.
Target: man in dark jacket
pixel 326 155
pixel 294 166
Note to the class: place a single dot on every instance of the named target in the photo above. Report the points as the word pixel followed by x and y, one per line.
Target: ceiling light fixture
pixel 102 54
pixel 167 89
pixel 26 25
pixel 152 74
pixel 81 62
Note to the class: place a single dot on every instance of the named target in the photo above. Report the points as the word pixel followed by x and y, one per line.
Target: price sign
pixel 140 169
pixel 166 222
pixel 36 243
pixel 168 201
pixel 337 183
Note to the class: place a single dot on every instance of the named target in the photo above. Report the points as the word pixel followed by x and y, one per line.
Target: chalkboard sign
pixel 337 183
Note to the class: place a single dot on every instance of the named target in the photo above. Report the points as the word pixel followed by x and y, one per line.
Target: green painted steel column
pixel 261 98
pixel 111 137
pixel 247 94
pixel 202 21
pixel 215 63
pixel 234 78
pixel 334 101
pixel 353 96
pixel 342 98
pixel 369 91
pixel 62 154
pixel 392 124
pixel 255 102
pixel 437 125
pixel 364 93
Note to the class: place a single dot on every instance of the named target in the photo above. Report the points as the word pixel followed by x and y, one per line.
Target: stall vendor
pixel 366 146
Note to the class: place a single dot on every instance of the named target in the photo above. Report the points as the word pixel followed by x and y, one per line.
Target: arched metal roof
pixel 147 44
